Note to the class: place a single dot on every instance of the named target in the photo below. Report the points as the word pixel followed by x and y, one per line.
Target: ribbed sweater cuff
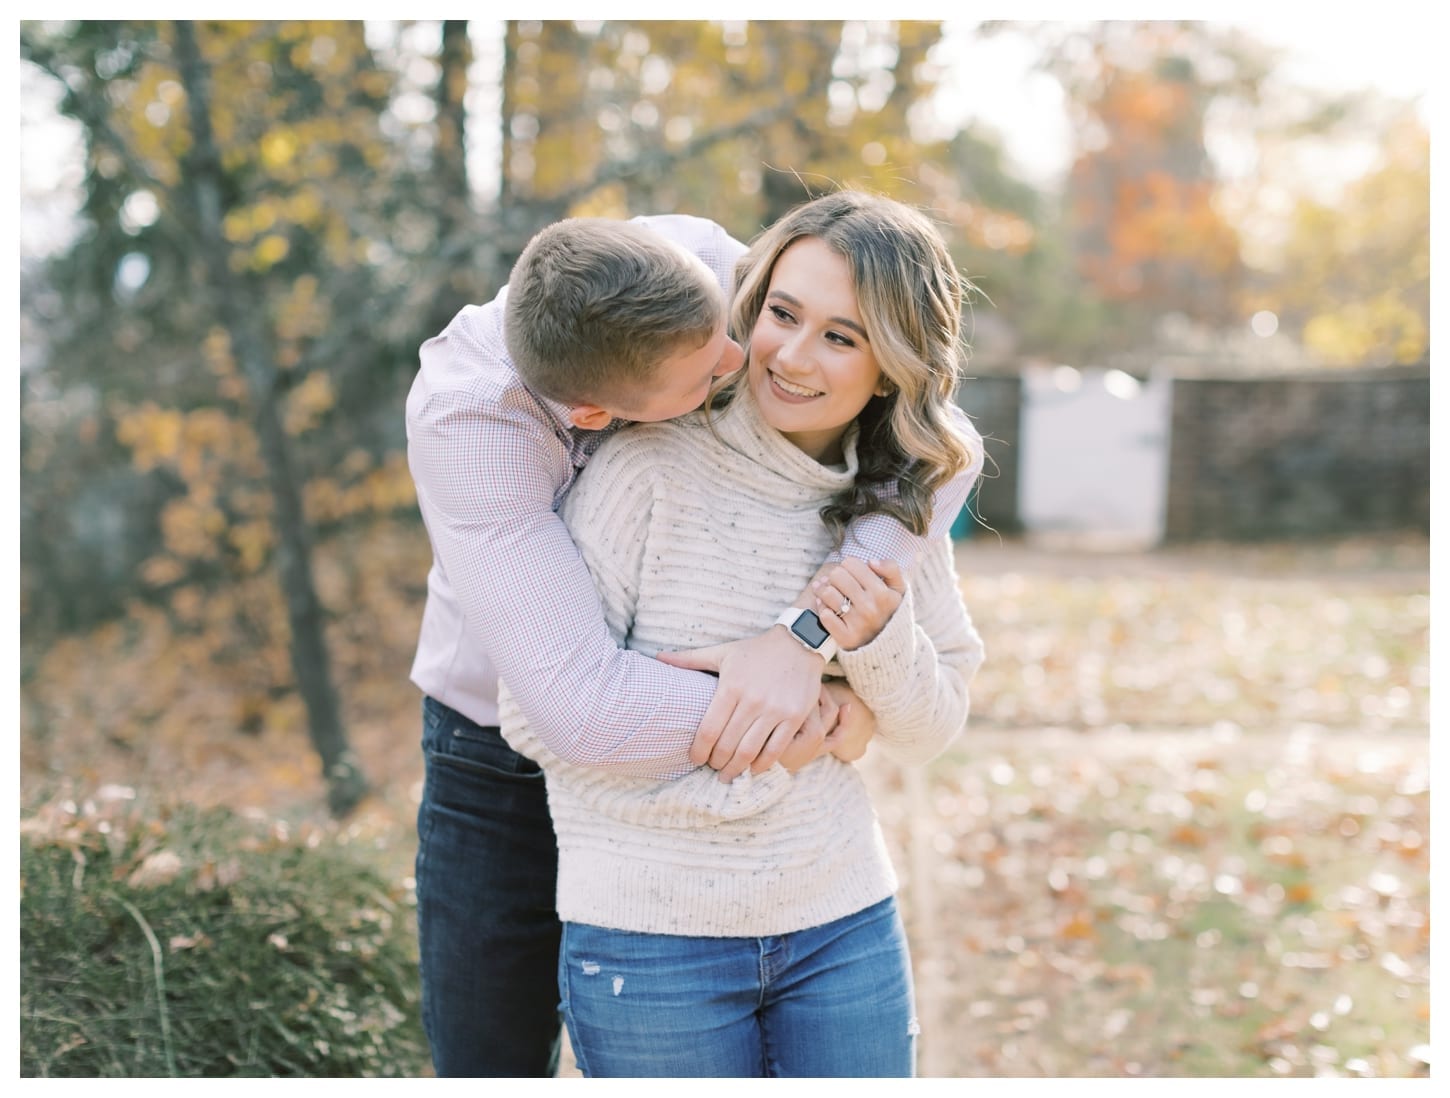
pixel 879 668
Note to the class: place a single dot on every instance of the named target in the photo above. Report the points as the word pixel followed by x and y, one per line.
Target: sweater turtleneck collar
pixel 741 426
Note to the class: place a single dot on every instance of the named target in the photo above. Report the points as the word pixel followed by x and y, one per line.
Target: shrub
pixel 182 942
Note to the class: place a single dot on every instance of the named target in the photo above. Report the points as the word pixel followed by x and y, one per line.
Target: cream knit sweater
pixel 693 539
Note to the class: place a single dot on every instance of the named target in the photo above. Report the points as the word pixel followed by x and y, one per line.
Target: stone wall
pixel 1300 456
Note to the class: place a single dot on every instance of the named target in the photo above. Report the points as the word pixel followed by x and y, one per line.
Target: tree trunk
pixel 458 226
pixel 346 784
pixel 507 105
pixel 450 158
pixel 799 138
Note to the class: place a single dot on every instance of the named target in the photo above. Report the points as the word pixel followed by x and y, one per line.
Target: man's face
pixel 683 380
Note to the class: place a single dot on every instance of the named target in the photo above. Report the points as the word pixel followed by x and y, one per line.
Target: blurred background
pixel 1200 361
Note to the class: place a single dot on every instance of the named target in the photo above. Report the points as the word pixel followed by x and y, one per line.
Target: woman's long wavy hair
pixel 910 295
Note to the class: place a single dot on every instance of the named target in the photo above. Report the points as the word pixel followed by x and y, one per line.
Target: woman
pixel 748 928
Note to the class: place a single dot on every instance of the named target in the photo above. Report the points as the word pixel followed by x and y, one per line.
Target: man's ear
pixel 590 417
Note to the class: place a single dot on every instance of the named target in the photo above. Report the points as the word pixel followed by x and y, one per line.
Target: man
pixel 602 323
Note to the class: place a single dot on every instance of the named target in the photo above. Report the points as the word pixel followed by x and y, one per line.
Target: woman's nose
pixel 792 352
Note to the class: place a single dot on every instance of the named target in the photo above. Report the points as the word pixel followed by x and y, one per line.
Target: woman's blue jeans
pixel 831 1001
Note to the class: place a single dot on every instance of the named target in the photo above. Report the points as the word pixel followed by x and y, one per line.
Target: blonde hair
pixel 595 306
pixel 910 296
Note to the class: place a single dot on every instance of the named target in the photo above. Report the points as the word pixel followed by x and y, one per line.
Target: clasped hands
pixel 771 704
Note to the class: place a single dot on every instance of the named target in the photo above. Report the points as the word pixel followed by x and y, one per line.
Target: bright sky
pixel 992 79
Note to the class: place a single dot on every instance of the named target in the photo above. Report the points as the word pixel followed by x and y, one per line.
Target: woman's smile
pixel 790 391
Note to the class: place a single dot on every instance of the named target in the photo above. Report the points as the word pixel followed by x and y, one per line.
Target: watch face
pixel 809 628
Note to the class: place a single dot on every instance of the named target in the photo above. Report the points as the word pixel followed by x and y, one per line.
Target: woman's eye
pixel 780 314
pixel 841 340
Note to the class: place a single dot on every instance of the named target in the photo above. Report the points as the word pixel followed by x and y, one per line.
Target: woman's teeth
pixel 793 389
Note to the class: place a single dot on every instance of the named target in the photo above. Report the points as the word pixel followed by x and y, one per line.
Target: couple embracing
pixel 689 505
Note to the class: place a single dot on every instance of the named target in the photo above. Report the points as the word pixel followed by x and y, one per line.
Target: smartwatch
pixel 807 628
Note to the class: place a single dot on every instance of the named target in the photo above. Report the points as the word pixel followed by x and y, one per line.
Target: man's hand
pixel 855 723
pixel 769 685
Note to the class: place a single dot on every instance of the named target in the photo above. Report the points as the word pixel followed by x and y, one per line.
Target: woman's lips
pixel 794 394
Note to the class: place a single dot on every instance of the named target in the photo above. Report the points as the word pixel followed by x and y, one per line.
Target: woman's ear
pixel 884 388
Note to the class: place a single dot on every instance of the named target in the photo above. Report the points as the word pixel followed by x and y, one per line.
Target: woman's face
pixel 812 369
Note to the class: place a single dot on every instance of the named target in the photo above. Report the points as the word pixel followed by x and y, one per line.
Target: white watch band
pixel 789 618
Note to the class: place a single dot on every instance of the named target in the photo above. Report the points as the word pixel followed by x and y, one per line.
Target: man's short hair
pixel 595 306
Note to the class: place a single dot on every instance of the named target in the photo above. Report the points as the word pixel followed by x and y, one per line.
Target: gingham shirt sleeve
pixel 487 477
pixel 489 468
pixel 881 537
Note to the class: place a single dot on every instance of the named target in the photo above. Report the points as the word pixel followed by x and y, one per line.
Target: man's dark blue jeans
pixel 488 936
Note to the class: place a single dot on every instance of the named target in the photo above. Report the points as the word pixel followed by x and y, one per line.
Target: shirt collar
pixel 558 411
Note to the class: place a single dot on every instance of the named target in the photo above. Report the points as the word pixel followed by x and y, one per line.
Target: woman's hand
pixel 812 741
pixel 855 723
pixel 856 599
pixel 842 726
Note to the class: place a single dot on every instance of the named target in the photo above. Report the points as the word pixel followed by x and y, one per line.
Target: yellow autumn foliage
pixel 1357 274
pixel 270 251
pixel 152 433
pixel 252 541
pixel 378 491
pixel 190 528
pixel 830 102
pixel 308 402
pixel 277 148
pixel 162 570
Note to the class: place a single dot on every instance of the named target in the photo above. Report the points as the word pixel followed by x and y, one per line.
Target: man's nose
pixel 731 360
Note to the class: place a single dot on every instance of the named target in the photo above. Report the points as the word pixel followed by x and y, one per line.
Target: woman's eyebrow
pixel 845 321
